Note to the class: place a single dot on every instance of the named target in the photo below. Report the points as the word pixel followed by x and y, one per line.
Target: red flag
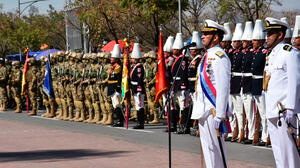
pixel 162 83
pixel 24 82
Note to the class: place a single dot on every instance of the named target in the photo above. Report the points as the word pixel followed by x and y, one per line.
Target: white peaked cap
pixel 169 43
pixel 116 52
pixel 178 43
pixel 288 33
pixel 247 35
pixel 238 32
pixel 296 31
pixel 197 40
pixel 186 52
pixel 136 52
pixel 258 32
pixel 228 34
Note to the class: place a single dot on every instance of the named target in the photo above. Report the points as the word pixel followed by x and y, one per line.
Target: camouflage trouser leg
pixel 17 98
pixel 64 108
pixel 89 106
pixel 70 106
pixel 3 99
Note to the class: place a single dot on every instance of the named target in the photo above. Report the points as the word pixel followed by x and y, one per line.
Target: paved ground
pixel 34 142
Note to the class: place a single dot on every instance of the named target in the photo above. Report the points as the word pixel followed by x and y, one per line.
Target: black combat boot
pixel 141 119
pixel 119 118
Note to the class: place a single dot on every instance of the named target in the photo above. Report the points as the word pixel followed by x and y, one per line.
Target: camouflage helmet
pixel 99 55
pixel 79 56
pixel 145 55
pixel 15 63
pixel 106 55
pixel 152 54
pixel 93 56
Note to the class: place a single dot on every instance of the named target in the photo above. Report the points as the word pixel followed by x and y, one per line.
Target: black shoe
pixel 234 140
pixel 228 138
pixel 118 124
pixel 260 143
pixel 247 141
pixel 171 130
pixel 138 126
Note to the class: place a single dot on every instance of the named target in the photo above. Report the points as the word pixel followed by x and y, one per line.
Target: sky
pixel 12 5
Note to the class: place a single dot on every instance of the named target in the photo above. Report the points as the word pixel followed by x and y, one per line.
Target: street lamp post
pixel 28 3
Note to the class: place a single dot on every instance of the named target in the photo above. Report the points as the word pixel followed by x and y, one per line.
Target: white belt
pixel 257 77
pixel 192 79
pixel 247 74
pixel 133 83
pixel 241 74
pixel 176 78
pixel 236 74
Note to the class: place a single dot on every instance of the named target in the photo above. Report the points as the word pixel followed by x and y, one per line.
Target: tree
pixel 246 10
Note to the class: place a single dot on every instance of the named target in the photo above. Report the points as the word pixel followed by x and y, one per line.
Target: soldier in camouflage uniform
pixel 85 84
pixel 3 80
pixel 73 85
pixel 95 67
pixel 31 79
pixel 79 101
pixel 105 100
pixel 150 79
pixel 16 77
pixel 68 85
pixel 62 85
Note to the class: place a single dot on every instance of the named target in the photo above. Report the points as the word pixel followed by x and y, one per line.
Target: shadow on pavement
pixel 57 155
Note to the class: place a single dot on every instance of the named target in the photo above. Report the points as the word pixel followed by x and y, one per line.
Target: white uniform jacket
pixel 283 65
pixel 218 70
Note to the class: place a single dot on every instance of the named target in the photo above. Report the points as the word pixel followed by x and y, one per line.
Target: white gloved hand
pixel 217 122
pixel 289 115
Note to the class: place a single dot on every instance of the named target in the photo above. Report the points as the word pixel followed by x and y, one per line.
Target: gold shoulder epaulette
pixel 117 69
pixel 219 53
pixel 287 47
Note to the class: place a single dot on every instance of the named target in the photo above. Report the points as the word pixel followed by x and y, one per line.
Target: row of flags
pixel 162 84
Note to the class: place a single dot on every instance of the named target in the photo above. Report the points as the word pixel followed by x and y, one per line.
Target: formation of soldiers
pixel 87 87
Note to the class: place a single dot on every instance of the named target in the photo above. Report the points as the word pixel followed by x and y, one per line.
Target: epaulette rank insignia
pixel 287 47
pixel 219 53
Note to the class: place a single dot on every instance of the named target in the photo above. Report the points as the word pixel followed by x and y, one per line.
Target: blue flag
pixel 47 86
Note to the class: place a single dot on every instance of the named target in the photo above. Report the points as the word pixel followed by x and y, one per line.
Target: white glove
pixel 289 115
pixel 217 122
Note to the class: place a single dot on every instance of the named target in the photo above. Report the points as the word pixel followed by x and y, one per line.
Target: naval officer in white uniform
pixel 281 85
pixel 218 71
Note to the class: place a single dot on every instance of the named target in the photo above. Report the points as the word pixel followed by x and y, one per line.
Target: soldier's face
pixel 194 52
pixel 288 40
pixel 236 44
pixel 297 42
pixel 208 38
pixel 246 44
pixel 273 38
pixel 257 43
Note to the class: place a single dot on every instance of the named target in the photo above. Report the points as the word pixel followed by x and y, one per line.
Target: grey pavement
pixel 151 137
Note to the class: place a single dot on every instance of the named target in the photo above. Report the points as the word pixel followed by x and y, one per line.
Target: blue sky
pixel 12 5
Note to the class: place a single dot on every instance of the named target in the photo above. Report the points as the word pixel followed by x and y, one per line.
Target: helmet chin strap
pixel 211 40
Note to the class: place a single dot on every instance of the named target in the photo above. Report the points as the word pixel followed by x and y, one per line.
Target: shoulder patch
pixel 287 47
pixel 219 53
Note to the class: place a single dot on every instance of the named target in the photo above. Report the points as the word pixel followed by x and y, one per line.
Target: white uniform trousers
pixel 183 99
pixel 261 106
pixel 232 119
pixel 138 101
pixel 210 145
pixel 284 150
pixel 248 105
pixel 116 100
pixel 237 108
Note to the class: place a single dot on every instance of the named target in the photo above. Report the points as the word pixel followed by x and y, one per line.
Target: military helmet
pixel 15 63
pixel 152 54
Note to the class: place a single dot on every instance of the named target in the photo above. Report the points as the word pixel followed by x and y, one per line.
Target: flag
pixel 47 86
pixel 127 43
pixel 125 76
pixel 162 83
pixel 24 84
